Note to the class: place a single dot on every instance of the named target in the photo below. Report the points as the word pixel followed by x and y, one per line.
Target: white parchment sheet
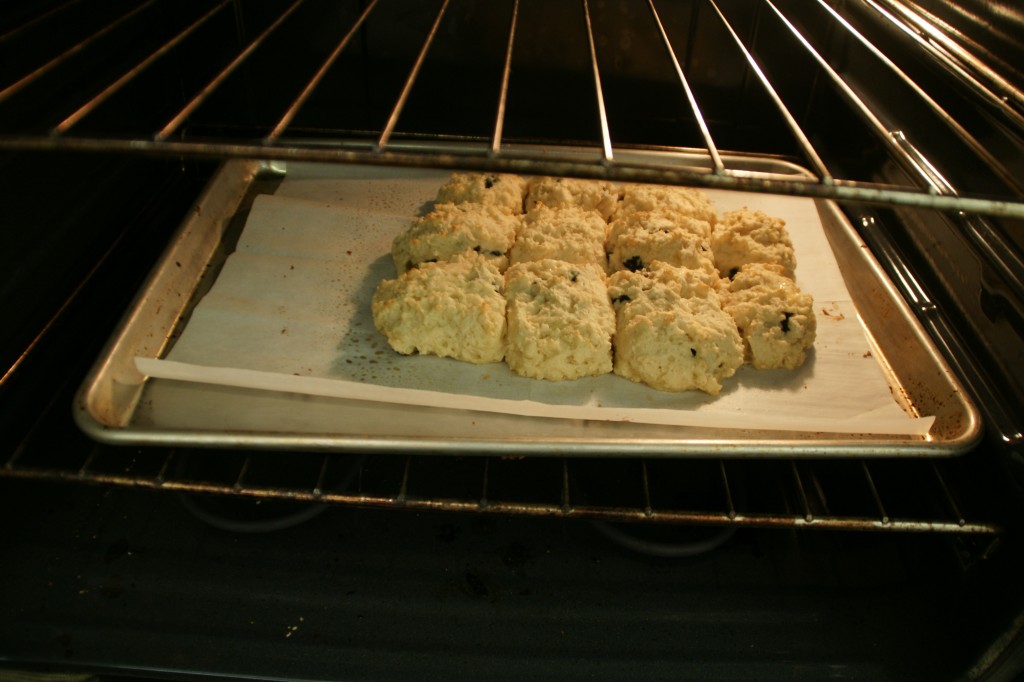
pixel 290 311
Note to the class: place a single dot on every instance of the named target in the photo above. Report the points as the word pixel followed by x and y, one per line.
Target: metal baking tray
pixel 119 405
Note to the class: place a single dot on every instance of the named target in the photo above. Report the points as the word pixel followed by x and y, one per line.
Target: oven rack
pixel 180 133
pixel 946 496
pixel 798 492
pixel 840 495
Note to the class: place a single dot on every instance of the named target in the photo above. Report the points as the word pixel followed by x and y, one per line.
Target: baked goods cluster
pixel 563 278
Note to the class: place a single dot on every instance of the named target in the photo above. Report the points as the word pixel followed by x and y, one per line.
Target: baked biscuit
pixel 560 322
pixel 667 198
pixel 637 239
pixel 501 190
pixel 451 229
pixel 452 309
pixel 702 282
pixel 567 233
pixel 745 236
pixel 671 332
pixel 590 195
pixel 775 319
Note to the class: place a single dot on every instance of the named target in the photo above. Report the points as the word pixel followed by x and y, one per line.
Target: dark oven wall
pixel 171 562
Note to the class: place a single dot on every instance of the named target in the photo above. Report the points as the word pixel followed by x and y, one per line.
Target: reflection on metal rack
pixel 385 146
pixel 959 55
pixel 843 495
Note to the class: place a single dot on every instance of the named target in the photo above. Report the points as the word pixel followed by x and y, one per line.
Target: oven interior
pixel 169 561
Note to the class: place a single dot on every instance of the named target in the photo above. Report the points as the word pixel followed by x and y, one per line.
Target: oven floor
pixel 131 582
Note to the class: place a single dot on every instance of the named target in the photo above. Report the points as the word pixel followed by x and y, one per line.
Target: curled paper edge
pixel 904 425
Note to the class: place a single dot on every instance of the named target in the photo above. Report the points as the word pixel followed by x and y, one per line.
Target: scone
pixel 702 282
pixel 452 309
pixel 450 229
pixel 504 191
pixel 590 195
pixel 745 236
pixel 671 332
pixel 687 201
pixel 560 322
pixel 568 233
pixel 637 239
pixel 775 319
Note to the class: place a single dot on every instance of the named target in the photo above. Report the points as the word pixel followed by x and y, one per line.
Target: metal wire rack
pixel 180 132
pixel 203 118
pixel 845 494
pixel 829 495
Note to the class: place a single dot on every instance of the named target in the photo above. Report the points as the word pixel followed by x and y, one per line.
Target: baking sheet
pixel 289 312
pixel 120 405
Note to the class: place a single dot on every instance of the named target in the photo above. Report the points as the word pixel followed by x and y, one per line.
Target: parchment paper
pixel 290 311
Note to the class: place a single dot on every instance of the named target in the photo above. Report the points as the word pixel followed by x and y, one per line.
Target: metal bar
pixel 914 159
pixel 566 506
pixel 164 468
pixel 883 131
pixel 1000 254
pixel 34 343
pixel 949 337
pixel 96 267
pixel 728 491
pixel 484 484
pixel 83 471
pixel 70 52
pixel 716 158
pixel 240 31
pixel 923 31
pixel 682 517
pixel 240 480
pixel 359 473
pixel 128 76
pixel 874 493
pixel 606 139
pixel 293 110
pixel 499 123
pixel 396 111
pixel 897 269
pixel 205 93
pixel 816 482
pixel 404 485
pixel 818 166
pixel 975 146
pixel 1003 418
pixel 553 163
pixel 36 20
pixel 950 500
pixel 646 483
pixel 15 456
pixel 318 489
pixel 895 139
pixel 754 32
pixel 801 493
